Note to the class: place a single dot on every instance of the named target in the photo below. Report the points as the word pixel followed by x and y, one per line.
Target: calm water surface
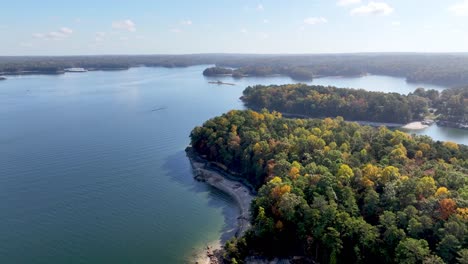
pixel 89 173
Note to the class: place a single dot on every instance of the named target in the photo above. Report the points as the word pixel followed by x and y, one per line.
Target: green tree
pixel 411 251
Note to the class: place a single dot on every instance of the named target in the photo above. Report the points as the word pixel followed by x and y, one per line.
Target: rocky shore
pixel 206 171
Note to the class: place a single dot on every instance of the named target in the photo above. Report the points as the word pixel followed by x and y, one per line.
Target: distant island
pixel 2 78
pixel 447 69
pixel 331 191
pixel 449 108
pixel 296 73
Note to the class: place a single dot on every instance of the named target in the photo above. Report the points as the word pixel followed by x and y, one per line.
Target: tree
pixel 345 173
pixel 463 256
pixel 410 251
pixel 433 259
pixel 371 203
pixel 447 207
pixel 426 186
pixel 448 247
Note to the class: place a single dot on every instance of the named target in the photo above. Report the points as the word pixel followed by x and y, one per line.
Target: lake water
pixel 93 169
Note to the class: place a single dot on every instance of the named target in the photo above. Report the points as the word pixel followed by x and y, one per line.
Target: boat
pixel 427 122
pixel 221 83
pixel 76 70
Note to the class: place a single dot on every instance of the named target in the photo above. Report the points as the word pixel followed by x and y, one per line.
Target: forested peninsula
pixel 332 191
pixel 449 107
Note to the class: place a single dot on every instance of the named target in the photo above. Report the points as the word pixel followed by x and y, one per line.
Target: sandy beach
pixel 240 193
pixel 415 126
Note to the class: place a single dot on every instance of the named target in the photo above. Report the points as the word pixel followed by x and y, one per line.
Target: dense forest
pixel 361 105
pixel 338 192
pixel 450 69
pixel 327 101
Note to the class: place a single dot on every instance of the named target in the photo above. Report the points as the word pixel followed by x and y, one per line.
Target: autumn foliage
pixel 338 192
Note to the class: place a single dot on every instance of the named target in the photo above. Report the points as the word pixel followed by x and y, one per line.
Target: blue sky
pixel 51 27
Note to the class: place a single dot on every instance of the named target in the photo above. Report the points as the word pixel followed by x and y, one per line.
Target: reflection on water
pixel 457 135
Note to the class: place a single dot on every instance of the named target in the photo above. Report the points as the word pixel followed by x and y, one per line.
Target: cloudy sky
pixel 51 27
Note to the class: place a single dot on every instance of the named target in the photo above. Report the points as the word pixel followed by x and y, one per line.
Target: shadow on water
pixel 180 170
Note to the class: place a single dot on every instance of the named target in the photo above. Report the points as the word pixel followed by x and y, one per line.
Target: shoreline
pixel 415 126
pixel 241 194
pixel 360 122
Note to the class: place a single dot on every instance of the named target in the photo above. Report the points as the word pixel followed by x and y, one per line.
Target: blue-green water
pixel 89 173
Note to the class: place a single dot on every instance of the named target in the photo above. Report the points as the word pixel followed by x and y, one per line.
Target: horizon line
pixel 252 54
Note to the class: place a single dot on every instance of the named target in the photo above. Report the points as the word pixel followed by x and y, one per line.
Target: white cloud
pixel 260 7
pixel 175 30
pixel 315 20
pixel 55 35
pixel 396 23
pixel 124 25
pixel 460 9
pixel 243 31
pixel 62 33
pixel 66 30
pixel 186 22
pixel 348 2
pixel 266 21
pixel 373 8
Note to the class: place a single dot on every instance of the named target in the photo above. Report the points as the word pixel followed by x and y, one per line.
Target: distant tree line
pixel 338 192
pixel 443 69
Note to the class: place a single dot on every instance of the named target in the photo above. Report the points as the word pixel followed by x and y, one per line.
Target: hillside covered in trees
pixel 338 192
pixel 360 105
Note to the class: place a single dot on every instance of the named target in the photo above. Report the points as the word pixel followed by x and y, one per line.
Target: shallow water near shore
pixel 93 168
